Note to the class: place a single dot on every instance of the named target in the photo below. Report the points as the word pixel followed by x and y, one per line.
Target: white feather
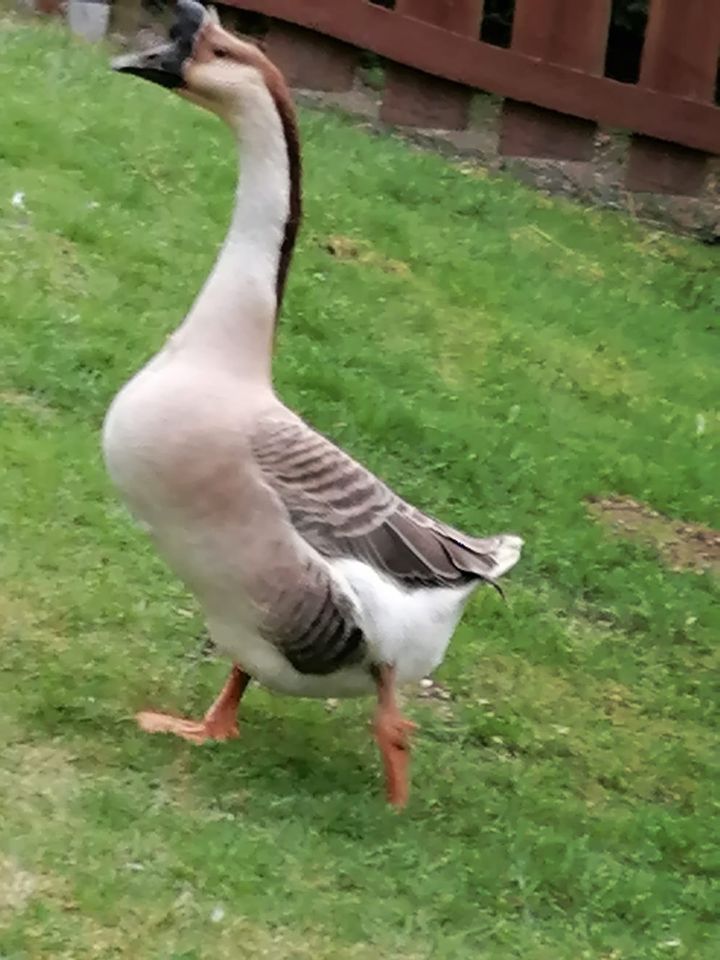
pixel 507 554
pixel 408 628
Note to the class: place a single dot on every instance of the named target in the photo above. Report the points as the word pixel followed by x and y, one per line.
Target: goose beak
pixel 160 65
pixel 164 64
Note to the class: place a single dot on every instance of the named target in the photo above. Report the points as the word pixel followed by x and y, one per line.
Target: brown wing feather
pixel 343 510
pixel 313 622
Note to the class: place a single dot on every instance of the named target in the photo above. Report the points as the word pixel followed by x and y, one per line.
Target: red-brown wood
pixel 530 131
pixel 419 99
pixel 564 32
pixel 682 45
pixel 310 60
pixel 680 56
pixel 414 99
pixel 48 7
pixel 507 73
pixel 658 167
pixel 457 16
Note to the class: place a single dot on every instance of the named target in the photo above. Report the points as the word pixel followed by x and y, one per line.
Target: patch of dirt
pixel 32 772
pixel 346 248
pixel 17 886
pixel 430 689
pixel 435 695
pixel 427 689
pixel 682 545
pixel 25 401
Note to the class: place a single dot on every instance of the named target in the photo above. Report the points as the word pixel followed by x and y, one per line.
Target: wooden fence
pixel 551 76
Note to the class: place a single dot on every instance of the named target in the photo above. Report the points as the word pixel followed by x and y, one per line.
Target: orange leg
pixel 219 723
pixel 392 732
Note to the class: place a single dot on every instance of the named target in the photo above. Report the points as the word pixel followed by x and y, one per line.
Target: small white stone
pixel 134 866
pixel 671 944
pixel 700 425
pixel 426 683
pixel 218 914
pixel 18 200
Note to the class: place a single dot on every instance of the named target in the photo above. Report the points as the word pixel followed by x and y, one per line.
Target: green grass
pixel 497 357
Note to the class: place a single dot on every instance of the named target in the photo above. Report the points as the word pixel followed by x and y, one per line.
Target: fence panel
pixel 680 57
pixel 420 99
pixel 507 73
pixel 308 59
pixel 564 32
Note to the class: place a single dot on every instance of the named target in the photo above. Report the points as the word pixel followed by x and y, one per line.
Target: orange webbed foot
pixel 195 731
pixel 219 723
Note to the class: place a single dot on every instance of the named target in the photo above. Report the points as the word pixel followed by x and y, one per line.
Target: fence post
pixel 572 33
pixel 48 7
pixel 310 60
pixel 417 99
pixel 680 56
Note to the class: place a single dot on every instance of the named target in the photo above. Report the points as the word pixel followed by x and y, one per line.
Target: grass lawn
pixel 499 358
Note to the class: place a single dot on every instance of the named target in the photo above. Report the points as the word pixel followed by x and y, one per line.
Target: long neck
pixel 234 314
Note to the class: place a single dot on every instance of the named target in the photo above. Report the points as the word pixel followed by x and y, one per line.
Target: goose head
pixel 205 64
pixel 216 70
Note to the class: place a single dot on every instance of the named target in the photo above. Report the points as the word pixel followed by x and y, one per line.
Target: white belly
pixel 410 629
pixel 267 665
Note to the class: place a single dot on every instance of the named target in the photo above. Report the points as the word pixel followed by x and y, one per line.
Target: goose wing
pixel 343 510
pixel 310 619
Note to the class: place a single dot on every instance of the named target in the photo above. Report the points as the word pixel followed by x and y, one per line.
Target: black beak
pixel 164 64
pixel 160 65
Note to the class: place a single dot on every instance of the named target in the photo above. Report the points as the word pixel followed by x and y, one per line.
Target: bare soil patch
pixel 682 545
pixel 348 248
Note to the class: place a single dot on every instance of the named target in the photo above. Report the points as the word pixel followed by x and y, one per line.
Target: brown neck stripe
pixel 286 111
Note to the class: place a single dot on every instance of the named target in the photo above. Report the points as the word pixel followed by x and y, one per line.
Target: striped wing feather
pixel 313 622
pixel 343 510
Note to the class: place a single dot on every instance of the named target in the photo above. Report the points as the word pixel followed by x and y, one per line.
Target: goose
pixel 314 577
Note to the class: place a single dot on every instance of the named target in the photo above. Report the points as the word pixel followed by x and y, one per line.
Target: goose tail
pixel 487 558
pixel 505 551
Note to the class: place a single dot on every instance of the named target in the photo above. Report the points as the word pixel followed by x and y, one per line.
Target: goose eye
pixel 220 53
